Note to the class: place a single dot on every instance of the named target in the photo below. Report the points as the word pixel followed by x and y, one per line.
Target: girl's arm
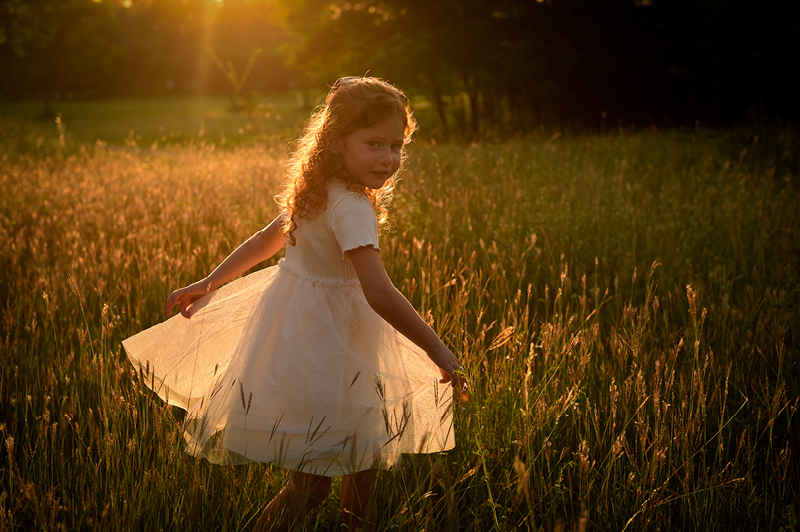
pixel 255 249
pixel 390 304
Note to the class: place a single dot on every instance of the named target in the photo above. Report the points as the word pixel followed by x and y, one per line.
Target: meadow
pixel 626 306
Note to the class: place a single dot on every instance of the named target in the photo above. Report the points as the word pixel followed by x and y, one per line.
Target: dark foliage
pixel 485 66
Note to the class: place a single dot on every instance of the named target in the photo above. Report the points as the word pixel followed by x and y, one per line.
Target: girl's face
pixel 372 155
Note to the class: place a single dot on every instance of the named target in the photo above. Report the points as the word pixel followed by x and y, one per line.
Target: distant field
pixel 627 308
pixel 167 120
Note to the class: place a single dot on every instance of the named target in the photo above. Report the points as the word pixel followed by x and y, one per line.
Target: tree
pixel 50 48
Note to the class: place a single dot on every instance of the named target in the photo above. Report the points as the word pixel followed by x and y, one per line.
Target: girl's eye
pixel 374 144
pixel 397 147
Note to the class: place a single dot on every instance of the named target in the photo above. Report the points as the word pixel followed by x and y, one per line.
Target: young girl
pixel 319 364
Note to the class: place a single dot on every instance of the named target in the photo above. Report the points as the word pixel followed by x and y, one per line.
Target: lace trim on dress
pixel 325 281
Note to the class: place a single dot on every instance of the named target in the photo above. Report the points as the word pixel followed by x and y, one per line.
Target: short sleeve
pixel 354 223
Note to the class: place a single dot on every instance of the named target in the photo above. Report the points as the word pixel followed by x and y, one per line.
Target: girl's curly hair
pixel 353 103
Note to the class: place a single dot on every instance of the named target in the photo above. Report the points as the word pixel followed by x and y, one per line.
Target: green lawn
pixel 165 120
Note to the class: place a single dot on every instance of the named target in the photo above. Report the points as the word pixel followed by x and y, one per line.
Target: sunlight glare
pixel 208 24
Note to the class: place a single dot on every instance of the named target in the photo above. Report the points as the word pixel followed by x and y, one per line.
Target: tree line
pixel 483 65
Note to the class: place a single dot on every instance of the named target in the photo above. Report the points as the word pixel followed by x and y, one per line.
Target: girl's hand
pixel 390 305
pixel 184 297
pixel 451 370
pixel 257 248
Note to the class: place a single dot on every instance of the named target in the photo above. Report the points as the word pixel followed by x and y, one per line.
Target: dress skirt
pixel 280 367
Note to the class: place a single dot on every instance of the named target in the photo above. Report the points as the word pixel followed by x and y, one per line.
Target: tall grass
pixel 627 309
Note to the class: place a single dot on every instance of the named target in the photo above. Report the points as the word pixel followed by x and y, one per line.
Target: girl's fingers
pixel 457 377
pixel 183 298
pixel 460 383
pixel 176 298
pixel 170 303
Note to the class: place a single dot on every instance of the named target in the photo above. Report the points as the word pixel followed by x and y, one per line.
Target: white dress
pixel 291 365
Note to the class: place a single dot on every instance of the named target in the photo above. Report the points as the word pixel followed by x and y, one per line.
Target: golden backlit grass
pixel 626 307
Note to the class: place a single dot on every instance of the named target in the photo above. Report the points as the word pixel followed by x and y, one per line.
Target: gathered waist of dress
pixel 325 281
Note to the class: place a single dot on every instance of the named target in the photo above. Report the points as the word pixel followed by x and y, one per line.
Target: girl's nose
pixel 386 156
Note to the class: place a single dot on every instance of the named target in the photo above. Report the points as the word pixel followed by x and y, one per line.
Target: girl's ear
pixel 335 142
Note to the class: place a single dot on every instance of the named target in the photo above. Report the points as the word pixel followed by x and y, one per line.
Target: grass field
pixel 627 308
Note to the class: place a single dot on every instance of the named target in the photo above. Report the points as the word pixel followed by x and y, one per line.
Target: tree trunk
pixel 474 110
pixel 46 111
pixel 440 110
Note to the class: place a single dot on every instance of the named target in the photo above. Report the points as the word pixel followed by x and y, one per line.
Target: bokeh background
pixel 482 66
